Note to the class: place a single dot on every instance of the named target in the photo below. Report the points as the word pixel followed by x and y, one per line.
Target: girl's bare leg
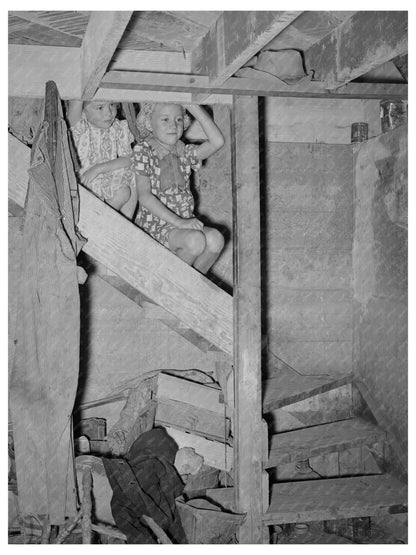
pixel 214 245
pixel 120 199
pixel 188 244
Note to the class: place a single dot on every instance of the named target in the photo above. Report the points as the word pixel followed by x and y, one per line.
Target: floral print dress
pixel 169 173
pixel 95 145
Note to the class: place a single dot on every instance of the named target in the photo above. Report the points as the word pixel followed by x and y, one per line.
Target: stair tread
pixel 336 498
pixel 289 387
pixel 301 444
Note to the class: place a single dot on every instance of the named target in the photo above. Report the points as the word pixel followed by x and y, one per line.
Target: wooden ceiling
pixel 206 56
pixel 170 31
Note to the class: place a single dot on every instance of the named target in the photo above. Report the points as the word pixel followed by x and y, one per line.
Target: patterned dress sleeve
pixel 81 134
pixel 124 138
pixel 142 159
pixel 190 159
pixel 78 130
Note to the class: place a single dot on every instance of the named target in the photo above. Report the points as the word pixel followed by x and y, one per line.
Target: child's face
pixel 100 114
pixel 167 123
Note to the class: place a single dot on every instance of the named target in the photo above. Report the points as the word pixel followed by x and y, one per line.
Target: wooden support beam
pixel 360 44
pixel 101 38
pixel 123 81
pixel 138 259
pixel 248 446
pixel 234 39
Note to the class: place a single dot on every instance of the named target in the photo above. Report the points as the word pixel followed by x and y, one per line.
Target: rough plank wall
pixel 380 272
pixel 121 343
pixel 298 120
pixel 308 268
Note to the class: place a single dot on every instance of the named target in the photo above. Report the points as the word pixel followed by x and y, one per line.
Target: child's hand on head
pixel 191 223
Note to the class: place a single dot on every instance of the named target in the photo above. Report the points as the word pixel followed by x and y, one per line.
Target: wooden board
pixel 103 33
pixel 358 45
pixel 289 387
pixel 142 262
pixel 248 429
pixel 215 454
pixel 185 391
pixel 192 419
pixel 336 498
pixel 308 442
pixel 234 39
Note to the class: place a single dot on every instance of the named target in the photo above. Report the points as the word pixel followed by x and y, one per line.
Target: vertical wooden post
pixel 248 446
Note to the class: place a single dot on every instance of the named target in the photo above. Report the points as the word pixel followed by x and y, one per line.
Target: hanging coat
pixel 45 371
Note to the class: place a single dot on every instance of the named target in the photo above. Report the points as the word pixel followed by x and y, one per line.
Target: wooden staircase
pixel 202 313
pixel 356 479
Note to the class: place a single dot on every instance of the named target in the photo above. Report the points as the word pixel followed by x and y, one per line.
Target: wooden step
pixel 336 498
pixel 299 445
pixel 290 387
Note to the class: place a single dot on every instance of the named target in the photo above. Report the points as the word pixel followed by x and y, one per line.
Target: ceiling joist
pixel 101 39
pixel 360 44
pixel 234 39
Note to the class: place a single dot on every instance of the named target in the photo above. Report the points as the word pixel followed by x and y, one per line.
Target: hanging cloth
pixel 45 371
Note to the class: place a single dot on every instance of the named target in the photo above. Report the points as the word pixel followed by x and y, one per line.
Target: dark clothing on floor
pixel 146 483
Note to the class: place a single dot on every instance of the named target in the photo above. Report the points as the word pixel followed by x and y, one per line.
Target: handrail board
pixel 142 262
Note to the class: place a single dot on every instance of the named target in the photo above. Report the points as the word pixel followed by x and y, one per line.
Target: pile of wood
pixel 195 416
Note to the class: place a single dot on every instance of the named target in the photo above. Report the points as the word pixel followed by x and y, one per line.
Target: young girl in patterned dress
pixel 163 165
pixel 103 144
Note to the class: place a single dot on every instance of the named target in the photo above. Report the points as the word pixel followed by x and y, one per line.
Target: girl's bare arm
pixel 116 164
pixel 74 112
pixel 215 139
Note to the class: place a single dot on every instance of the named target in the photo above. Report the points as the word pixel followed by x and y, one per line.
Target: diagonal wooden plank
pixel 234 39
pixel 360 44
pixel 336 498
pixel 101 39
pixel 301 444
pixel 142 262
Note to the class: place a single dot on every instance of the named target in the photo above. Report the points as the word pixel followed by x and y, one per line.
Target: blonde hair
pixel 143 120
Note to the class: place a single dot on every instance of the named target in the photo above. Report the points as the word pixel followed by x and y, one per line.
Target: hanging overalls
pixel 44 377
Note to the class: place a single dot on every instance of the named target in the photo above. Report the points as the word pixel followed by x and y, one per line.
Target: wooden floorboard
pixel 301 444
pixel 336 498
pixel 290 387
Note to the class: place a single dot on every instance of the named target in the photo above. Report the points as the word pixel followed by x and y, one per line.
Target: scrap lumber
pixel 200 395
pixel 189 418
pixel 191 407
pixel 216 454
